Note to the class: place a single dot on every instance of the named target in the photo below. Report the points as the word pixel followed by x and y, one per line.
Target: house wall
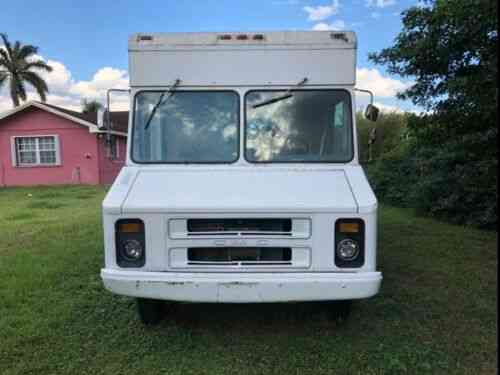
pixel 109 168
pixel 78 150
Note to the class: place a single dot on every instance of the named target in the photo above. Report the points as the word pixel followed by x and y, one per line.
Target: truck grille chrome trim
pixel 238 257
pixel 224 227
pixel 239 225
pixel 253 255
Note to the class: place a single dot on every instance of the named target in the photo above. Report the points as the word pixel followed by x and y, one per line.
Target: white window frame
pixel 15 151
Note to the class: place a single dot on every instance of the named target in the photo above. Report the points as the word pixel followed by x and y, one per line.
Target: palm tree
pixel 19 66
pixel 91 106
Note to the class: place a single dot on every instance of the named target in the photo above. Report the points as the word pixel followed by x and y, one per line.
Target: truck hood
pixel 236 190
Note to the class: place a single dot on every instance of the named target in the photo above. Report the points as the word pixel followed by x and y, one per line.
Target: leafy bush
pixel 393 177
pixel 391 130
pixel 446 181
pixel 457 188
pixel 449 48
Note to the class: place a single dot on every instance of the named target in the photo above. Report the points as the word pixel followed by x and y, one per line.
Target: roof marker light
pixel 339 36
pixel 142 38
pixel 225 37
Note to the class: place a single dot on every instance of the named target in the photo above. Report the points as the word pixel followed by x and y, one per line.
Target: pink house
pixel 41 144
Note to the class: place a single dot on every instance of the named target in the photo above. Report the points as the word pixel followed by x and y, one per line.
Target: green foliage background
pixel 444 163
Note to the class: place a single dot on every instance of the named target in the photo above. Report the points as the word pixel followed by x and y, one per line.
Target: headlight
pixel 132 249
pixel 130 243
pixel 348 249
pixel 349 243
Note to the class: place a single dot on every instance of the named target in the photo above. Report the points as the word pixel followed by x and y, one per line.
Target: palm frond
pixel 38 64
pixel 7 45
pixel 4 61
pixel 37 82
pixel 26 51
pixel 3 78
pixel 17 67
pixel 15 50
pixel 4 55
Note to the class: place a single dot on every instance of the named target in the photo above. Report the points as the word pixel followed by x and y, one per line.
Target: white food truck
pixel 242 182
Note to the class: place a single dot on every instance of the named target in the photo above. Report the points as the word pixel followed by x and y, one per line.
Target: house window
pixel 34 151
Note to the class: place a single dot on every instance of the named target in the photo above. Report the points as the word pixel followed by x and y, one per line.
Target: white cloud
pixel 65 92
pixel 384 87
pixel 5 103
pixel 375 15
pixel 336 25
pixel 386 108
pixel 59 100
pixel 103 79
pixel 59 79
pixel 380 3
pixel 322 12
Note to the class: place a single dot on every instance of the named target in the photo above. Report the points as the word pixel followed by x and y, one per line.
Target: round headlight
pixel 132 249
pixel 348 249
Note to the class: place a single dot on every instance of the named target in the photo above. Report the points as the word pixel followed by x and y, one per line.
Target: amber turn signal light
pixel 349 227
pixel 130 227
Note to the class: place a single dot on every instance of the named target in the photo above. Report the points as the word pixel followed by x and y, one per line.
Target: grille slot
pixel 233 227
pixel 239 256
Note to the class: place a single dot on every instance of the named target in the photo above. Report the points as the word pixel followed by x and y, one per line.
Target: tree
pixel 390 130
pixel 18 66
pixel 449 49
pixel 91 106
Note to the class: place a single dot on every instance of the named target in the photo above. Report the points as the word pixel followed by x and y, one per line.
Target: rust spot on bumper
pixel 168 283
pixel 237 283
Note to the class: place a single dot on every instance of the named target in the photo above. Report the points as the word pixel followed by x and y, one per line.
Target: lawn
pixel 436 312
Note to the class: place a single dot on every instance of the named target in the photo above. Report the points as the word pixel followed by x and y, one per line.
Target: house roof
pixel 119 119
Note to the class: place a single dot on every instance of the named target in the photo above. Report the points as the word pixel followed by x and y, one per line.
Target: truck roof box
pixel 328 39
pixel 243 58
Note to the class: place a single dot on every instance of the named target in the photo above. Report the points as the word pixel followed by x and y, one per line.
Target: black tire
pixel 339 311
pixel 150 311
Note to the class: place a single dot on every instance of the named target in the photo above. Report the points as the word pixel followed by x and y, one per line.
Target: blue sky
pixel 86 42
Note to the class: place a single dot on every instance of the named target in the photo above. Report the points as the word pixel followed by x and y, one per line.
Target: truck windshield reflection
pixel 308 126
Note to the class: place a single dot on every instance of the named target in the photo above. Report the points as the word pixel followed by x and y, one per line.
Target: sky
pixel 86 41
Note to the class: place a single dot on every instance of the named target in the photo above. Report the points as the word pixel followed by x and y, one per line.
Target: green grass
pixel 436 312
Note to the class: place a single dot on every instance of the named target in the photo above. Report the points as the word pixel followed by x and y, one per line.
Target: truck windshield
pixel 307 126
pixel 189 127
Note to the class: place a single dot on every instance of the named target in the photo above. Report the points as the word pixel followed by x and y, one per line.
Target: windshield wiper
pixel 160 101
pixel 286 95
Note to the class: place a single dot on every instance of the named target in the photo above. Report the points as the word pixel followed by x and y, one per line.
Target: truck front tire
pixel 150 311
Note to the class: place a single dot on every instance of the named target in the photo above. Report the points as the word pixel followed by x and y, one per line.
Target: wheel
pixel 150 311
pixel 339 311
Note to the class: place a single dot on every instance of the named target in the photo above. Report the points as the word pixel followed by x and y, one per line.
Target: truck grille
pixel 254 226
pixel 239 256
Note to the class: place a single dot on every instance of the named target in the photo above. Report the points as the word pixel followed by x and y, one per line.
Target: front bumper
pixel 242 287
